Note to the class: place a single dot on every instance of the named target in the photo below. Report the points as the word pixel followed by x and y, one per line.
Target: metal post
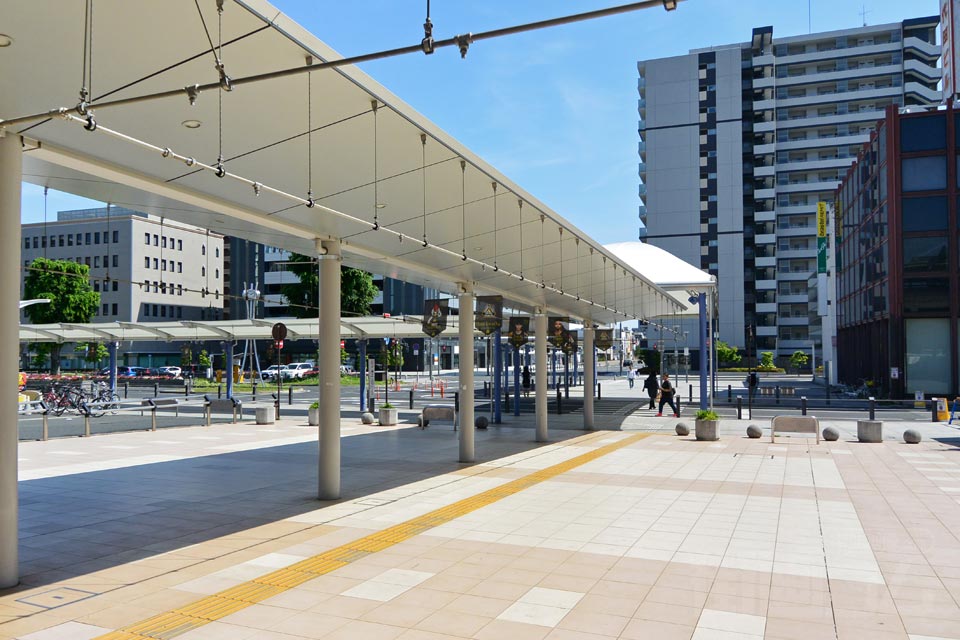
pixel 873 407
pixel 254 397
pixel 933 410
pixel 803 405
pixel 228 349
pixel 588 349
pixel 704 349
pixel 290 395
pixel 467 453
pixel 516 381
pixel 777 392
pixel 156 389
pixel 739 408
pixel 456 402
pixel 411 398
pixel 10 177
pixel 540 353
pixel 329 366
pixel 599 391
pixel 126 390
pixel 559 401
pixel 86 425
pixel 219 392
pixel 46 426
pixel 112 348
pixel 729 393
pixel 566 375
pixel 497 378
pixel 363 373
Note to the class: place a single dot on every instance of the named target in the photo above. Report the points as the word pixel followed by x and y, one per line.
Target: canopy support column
pixel 363 374
pixel 704 356
pixel 588 389
pixel 466 376
pixel 497 377
pixel 329 365
pixel 540 353
pixel 112 350
pixel 11 170
pixel 228 365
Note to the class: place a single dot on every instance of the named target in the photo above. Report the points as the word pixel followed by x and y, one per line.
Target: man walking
pixel 631 377
pixel 666 396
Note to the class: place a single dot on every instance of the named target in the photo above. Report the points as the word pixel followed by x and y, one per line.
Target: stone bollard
pixel 265 414
pixel 869 431
pixel 831 434
pixel 683 429
pixel 872 406
pixel 912 436
pixel 753 431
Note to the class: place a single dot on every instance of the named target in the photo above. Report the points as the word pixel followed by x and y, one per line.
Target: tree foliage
pixel 766 360
pixel 798 360
pixel 727 354
pixel 92 352
pixel 357 290
pixel 67 285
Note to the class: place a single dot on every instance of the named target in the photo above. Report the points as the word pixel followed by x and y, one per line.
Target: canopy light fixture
pixel 5 40
pixel 191 124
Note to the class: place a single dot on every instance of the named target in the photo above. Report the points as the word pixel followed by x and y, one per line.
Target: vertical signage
pixel 821 237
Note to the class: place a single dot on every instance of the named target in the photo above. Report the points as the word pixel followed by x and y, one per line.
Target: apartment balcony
pixel 788 321
pixel 855 139
pixel 766 284
pixel 922 48
pixel 765 83
pixel 767 331
pixel 763 60
pixel 763 105
pixel 764 127
pixel 816 56
pixel 797 253
pixel 761 149
pixel 844 74
pixel 642 150
pixel 925 71
pixel 829 98
pixel 642 190
pixel 765 238
pixel 788 209
pixel 816 165
pixel 786 276
pixel 922 93
pixel 642 169
pixel 764 171
pixel 793 298
pixel 786 347
pixel 799 187
pixel 797 231
pixel 766 307
pixel 766 261
pixel 868 117
pixel 765 194
pixel 764 216
pixel 642 210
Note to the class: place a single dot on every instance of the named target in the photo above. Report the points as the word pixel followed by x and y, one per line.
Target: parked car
pixel 270 373
pixel 147 372
pixel 296 370
pixel 129 372
pixel 171 372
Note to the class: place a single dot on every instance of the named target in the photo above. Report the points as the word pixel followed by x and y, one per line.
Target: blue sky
pixel 555 110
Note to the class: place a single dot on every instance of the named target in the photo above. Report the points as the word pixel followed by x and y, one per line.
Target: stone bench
pixel 794 424
pixel 438 412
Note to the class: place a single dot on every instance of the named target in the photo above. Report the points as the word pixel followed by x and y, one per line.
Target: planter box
pixel 313 417
pixel 265 414
pixel 389 417
pixel 707 429
pixel 869 431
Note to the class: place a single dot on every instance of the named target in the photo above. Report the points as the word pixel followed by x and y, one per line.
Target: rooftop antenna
pixel 863 14
pixel 809 16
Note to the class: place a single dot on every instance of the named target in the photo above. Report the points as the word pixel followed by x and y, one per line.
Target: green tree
pixel 357 290
pixel 92 352
pixel 67 285
pixel 766 360
pixel 798 360
pixel 204 361
pixel 727 354
pixel 186 356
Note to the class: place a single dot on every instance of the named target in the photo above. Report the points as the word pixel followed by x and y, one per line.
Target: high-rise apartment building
pixel 738 143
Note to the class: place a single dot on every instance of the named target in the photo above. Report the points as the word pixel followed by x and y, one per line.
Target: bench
pixel 794 424
pixel 162 403
pixel 222 405
pixel 438 412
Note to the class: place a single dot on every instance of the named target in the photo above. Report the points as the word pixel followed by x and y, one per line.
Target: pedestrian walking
pixel 651 386
pixel 526 382
pixel 631 376
pixel 666 396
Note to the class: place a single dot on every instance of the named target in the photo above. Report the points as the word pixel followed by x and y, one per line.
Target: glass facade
pixel 898 256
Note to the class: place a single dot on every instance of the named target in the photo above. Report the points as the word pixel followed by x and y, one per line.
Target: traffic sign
pixel 279 344
pixel 279 331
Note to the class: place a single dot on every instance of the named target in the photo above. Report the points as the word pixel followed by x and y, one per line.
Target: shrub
pixel 707 414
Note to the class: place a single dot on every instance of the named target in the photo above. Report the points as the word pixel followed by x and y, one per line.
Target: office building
pixel 898 244
pixel 740 142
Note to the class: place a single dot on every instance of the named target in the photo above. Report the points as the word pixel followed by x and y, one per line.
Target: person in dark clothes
pixel 525 381
pixel 666 396
pixel 651 386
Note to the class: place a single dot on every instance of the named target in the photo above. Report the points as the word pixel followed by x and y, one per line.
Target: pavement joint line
pixel 176 622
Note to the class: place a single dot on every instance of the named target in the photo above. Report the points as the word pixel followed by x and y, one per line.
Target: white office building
pixel 738 143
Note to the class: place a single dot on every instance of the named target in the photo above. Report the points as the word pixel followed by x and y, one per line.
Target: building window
pixel 156 286
pixel 217 252
pixel 96 262
pixel 164 242
pixel 96 285
pixel 926 133
pixel 35 242
pixel 96 237
pixel 179 245
pixel 106 308
pixel 146 311
pixel 217 274
pixel 106 261
pixel 86 238
pixel 156 263
pixel 924 173
pixel 163 287
pixel 179 312
pixel 61 242
pixel 146 286
pixel 163 265
pixel 26 243
pixel 69 239
pixel 116 238
pixel 114 308
pixel 203 249
pixel 203 271
pixel 116 285
pixel 163 310
pixel 179 289
pixel 146 263
pixel 156 240
pixel 155 313
pixel 146 238
pixel 87 261
pixel 116 261
pixel 925 254
pixel 179 267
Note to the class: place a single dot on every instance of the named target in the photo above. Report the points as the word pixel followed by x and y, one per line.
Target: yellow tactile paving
pixel 174 623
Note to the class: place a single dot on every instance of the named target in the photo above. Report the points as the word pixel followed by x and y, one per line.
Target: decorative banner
pixel 489 314
pixel 821 237
pixel 435 314
pixel 519 331
pixel 570 343
pixel 557 331
pixel 603 339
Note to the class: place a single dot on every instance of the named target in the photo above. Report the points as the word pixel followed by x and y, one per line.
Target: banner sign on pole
pixel 489 314
pixel 821 237
pixel 570 342
pixel 557 331
pixel 603 339
pixel 519 331
pixel 435 314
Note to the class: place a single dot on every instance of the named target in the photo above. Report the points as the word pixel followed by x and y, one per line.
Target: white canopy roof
pixel 297 329
pixel 369 162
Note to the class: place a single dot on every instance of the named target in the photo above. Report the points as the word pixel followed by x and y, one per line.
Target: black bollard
pixel 677 401
pixel 156 389
pixel 739 408
pixel 803 405
pixel 559 402
pixel 933 409
pixel 254 399
pixel 456 402
pixel 729 393
pixel 126 389
pixel 486 390
pixel 506 400
pixel 290 395
pixel 777 391
pixel 411 398
pixel 219 392
pixel 598 391
pixel 873 406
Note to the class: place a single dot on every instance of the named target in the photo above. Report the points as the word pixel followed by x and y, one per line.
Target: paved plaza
pixel 626 532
